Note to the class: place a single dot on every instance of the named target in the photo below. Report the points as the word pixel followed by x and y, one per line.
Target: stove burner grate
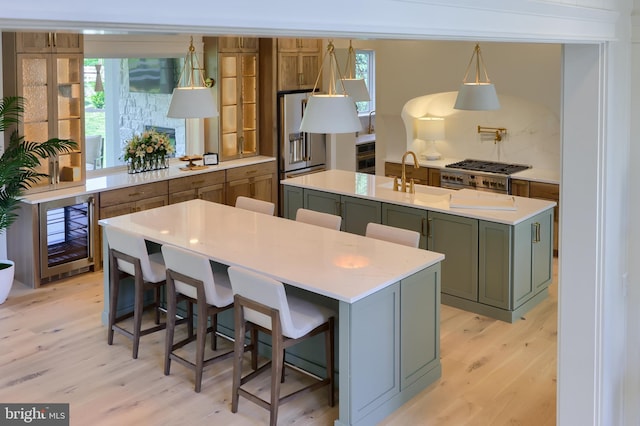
pixel 488 166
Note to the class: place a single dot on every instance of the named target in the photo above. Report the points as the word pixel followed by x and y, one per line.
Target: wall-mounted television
pixel 153 75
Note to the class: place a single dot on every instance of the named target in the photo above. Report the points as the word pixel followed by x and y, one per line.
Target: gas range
pixel 480 175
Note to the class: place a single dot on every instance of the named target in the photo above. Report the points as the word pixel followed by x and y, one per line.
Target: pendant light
pixel 99 87
pixel 331 112
pixel 477 95
pixel 355 87
pixel 193 99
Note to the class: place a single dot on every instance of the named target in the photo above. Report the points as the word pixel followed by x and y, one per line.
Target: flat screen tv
pixel 153 75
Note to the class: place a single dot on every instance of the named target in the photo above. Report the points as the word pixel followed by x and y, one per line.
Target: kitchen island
pixel 498 248
pixel 387 296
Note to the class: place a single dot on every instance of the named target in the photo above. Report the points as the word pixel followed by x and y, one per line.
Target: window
pixel 365 68
pixel 135 96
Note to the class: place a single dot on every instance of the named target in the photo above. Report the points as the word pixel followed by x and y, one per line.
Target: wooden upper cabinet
pixel 239 105
pixel 238 44
pixel 299 44
pixel 299 63
pixel 52 84
pixel 49 42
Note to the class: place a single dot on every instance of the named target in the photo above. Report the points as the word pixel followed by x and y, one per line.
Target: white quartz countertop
pixel 119 178
pixel 336 264
pixel 534 174
pixel 380 188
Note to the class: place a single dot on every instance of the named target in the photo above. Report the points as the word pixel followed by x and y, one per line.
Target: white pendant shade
pixel 357 89
pixel 192 102
pixel 477 96
pixel 330 114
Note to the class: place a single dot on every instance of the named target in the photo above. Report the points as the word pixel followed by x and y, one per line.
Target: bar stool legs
pixel 139 287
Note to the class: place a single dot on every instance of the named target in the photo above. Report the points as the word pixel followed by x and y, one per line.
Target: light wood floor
pixel 53 349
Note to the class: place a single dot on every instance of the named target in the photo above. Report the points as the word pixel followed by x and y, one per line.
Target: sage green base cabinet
pixel 457 238
pixel 514 268
pixel 406 218
pixel 400 325
pixel 492 269
pixel 356 212
pixel 293 199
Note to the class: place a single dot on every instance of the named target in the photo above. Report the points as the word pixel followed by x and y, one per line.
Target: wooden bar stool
pixel 128 257
pixel 255 205
pixel 313 217
pixel 393 234
pixel 190 277
pixel 262 303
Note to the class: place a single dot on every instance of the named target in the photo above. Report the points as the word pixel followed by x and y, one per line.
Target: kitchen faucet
pixel 370 127
pixel 403 179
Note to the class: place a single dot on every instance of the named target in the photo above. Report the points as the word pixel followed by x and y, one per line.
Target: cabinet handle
pixel 429 228
pixel 49 40
pixel 423 225
pixel 536 232
pixel 339 208
pixel 134 194
pixel 198 182
pixel 55 39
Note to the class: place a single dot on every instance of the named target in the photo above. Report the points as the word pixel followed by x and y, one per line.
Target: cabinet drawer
pixel 250 171
pixel 133 193
pixel 420 175
pixel 547 191
pixel 198 181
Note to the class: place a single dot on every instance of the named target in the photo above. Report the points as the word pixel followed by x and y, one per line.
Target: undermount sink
pixel 421 189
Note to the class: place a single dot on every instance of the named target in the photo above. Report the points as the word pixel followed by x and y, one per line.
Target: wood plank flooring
pixel 53 349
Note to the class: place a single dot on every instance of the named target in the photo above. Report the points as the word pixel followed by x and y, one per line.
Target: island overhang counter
pixel 387 296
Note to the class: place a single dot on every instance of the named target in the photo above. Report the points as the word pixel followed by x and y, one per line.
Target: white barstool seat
pixel 128 256
pixel 190 277
pixel 393 234
pixel 262 303
pixel 256 205
pixel 313 217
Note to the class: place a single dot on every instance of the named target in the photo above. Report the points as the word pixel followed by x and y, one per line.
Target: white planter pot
pixel 6 279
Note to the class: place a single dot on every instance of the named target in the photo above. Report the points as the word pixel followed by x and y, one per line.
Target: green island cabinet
pixel 355 212
pixel 490 268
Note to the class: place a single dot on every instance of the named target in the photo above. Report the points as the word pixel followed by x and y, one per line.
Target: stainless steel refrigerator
pixel 299 152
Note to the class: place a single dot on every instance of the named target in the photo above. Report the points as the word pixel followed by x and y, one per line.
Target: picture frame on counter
pixel 210 159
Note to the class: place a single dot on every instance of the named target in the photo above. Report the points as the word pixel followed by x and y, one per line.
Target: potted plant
pixel 18 172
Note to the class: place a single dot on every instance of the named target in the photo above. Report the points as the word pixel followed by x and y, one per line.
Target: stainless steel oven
pixel 66 236
pixel 480 175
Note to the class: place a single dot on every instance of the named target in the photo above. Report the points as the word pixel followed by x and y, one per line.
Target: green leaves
pixel 20 160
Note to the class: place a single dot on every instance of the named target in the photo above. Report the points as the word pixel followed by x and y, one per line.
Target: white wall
pixel 409 69
pixel 532 136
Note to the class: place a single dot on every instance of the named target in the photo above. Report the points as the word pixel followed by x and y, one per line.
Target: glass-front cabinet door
pixel 53 90
pixel 239 96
